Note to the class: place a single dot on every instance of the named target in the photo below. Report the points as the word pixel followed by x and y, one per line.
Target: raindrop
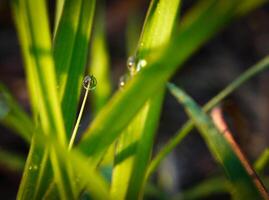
pixel 89 82
pixel 131 61
pixel 30 167
pixel 141 63
pixel 123 80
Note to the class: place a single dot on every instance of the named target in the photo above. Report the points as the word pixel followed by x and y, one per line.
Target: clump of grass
pixel 126 122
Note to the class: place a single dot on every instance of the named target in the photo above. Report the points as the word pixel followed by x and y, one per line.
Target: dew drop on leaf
pixel 131 64
pixel 89 82
pixel 123 80
pixel 141 63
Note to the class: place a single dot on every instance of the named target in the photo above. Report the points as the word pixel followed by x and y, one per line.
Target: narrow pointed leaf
pixel 243 184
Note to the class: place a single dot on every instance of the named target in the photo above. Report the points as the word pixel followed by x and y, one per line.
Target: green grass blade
pixel 160 19
pixel 58 12
pixel 187 127
pixel 31 171
pixel 262 161
pixel 243 184
pixel 11 161
pixel 70 52
pixel 84 172
pixel 144 148
pixel 157 29
pixel 117 113
pixel 14 117
pixel 130 135
pixel 99 65
pixel 38 48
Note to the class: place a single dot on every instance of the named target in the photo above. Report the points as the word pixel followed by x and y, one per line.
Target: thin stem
pixel 262 161
pixel 79 118
pixel 187 127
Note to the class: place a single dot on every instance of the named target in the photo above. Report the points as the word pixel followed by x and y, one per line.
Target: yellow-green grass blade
pixel 70 50
pixel 11 161
pixel 144 148
pixel 99 62
pixel 34 34
pixel 156 35
pixel 130 136
pixel 84 172
pixel 118 112
pixel 58 12
pixel 157 29
pixel 187 127
pixel 243 184
pixel 14 117
pixel 156 32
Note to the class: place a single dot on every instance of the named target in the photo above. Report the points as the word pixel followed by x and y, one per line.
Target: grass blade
pixel 13 116
pixel 137 180
pixel 262 161
pixel 118 112
pixel 244 186
pixel 11 161
pixel 99 65
pixel 160 19
pixel 37 46
pixel 187 127
pixel 70 50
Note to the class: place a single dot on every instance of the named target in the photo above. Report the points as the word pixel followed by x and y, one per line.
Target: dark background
pixel 241 44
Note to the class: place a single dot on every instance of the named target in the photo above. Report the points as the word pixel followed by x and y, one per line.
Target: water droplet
pixel 35 167
pixel 141 63
pixel 4 108
pixel 123 80
pixel 89 82
pixel 131 61
pixel 30 167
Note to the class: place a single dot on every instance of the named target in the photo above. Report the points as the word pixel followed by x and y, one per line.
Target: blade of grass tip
pixel 11 161
pixel 160 19
pixel 187 127
pixel 218 120
pixel 13 116
pixel 117 113
pixel 99 65
pixel 262 161
pixel 70 50
pixel 243 185
pixel 58 12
